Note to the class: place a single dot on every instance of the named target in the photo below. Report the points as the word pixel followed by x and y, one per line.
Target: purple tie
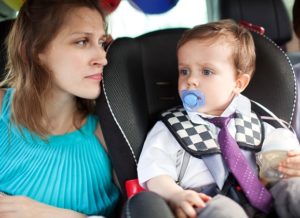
pixel 255 192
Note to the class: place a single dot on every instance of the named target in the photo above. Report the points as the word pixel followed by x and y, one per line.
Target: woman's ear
pixel 241 82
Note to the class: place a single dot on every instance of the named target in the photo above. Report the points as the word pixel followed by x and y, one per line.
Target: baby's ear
pixel 242 82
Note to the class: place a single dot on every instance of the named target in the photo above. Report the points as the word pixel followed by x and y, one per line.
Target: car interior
pixel 140 80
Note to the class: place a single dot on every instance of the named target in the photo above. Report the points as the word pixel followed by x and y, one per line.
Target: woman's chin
pixel 93 94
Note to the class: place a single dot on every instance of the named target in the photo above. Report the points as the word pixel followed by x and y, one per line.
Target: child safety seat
pixel 140 82
pixel 276 23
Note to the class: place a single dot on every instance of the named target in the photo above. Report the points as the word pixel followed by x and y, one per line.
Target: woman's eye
pixel 207 72
pixel 183 72
pixel 101 43
pixel 82 42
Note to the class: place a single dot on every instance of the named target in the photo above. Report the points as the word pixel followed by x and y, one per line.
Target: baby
pixel 188 157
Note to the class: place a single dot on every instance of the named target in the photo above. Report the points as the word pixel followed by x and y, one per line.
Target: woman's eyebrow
pixel 88 34
pixel 81 33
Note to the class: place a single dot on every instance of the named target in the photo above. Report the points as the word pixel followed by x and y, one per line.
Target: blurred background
pixel 135 17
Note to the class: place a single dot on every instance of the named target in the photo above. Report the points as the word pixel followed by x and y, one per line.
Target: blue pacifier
pixel 192 99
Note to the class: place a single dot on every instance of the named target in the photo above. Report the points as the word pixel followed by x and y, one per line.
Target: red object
pixel 109 5
pixel 238 188
pixel 259 29
pixel 133 187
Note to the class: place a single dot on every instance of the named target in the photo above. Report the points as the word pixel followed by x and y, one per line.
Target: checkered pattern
pixel 197 138
pixel 248 129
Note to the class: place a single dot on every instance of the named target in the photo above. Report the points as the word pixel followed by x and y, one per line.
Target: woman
pixel 51 148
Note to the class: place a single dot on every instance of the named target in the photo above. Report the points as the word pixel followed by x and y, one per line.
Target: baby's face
pixel 208 67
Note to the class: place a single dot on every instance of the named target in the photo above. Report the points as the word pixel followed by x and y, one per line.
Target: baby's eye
pixel 183 72
pixel 207 72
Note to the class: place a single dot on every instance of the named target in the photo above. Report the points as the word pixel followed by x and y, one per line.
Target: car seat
pixel 140 81
pixel 269 14
pixel 273 16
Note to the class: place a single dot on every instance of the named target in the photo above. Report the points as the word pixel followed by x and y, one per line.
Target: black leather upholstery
pixel 146 205
pixel 141 80
pixel 274 82
pixel 270 14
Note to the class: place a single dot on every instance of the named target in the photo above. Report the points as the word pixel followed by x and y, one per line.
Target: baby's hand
pixel 290 167
pixel 185 202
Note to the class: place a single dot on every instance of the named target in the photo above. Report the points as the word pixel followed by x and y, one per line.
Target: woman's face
pixel 75 57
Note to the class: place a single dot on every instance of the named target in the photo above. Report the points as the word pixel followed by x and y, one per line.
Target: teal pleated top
pixel 69 171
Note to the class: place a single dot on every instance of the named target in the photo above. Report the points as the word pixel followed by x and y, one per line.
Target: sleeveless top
pixel 70 171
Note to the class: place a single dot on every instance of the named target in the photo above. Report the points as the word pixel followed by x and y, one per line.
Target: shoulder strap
pixel 249 131
pixel 249 135
pixel 214 164
pixel 196 139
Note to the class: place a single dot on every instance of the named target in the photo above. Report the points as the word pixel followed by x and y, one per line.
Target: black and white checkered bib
pixel 198 140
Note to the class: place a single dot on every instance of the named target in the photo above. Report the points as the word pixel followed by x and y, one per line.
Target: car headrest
pixel 270 14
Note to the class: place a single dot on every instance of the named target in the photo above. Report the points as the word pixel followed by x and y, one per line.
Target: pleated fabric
pixel 69 171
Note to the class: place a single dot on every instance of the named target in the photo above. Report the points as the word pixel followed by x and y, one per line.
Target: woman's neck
pixel 61 113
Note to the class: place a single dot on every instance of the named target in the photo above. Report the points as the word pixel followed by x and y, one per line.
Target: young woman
pixel 53 161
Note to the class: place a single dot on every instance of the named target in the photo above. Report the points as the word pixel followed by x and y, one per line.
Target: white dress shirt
pixel 160 151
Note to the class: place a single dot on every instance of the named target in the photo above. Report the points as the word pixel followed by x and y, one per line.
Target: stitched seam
pixel 291 68
pixel 115 119
pixel 127 210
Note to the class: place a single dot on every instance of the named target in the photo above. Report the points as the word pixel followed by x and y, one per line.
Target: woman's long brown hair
pixel 37 23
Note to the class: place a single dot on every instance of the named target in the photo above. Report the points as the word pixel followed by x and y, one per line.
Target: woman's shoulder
pixel 2 93
pixel 99 135
pixel 5 100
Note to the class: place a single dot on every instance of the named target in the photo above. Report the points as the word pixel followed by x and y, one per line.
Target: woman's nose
pixel 99 57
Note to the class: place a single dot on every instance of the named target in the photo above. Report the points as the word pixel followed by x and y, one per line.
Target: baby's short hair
pixel 238 37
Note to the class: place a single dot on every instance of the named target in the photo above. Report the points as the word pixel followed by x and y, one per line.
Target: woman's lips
pixel 97 76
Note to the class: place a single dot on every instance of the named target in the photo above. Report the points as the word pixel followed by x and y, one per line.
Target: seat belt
pixel 227 187
pixel 214 163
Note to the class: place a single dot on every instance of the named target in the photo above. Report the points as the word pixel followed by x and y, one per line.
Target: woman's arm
pixel 99 134
pixel 20 206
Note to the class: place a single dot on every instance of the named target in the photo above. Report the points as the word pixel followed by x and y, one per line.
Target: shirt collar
pixel 240 103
